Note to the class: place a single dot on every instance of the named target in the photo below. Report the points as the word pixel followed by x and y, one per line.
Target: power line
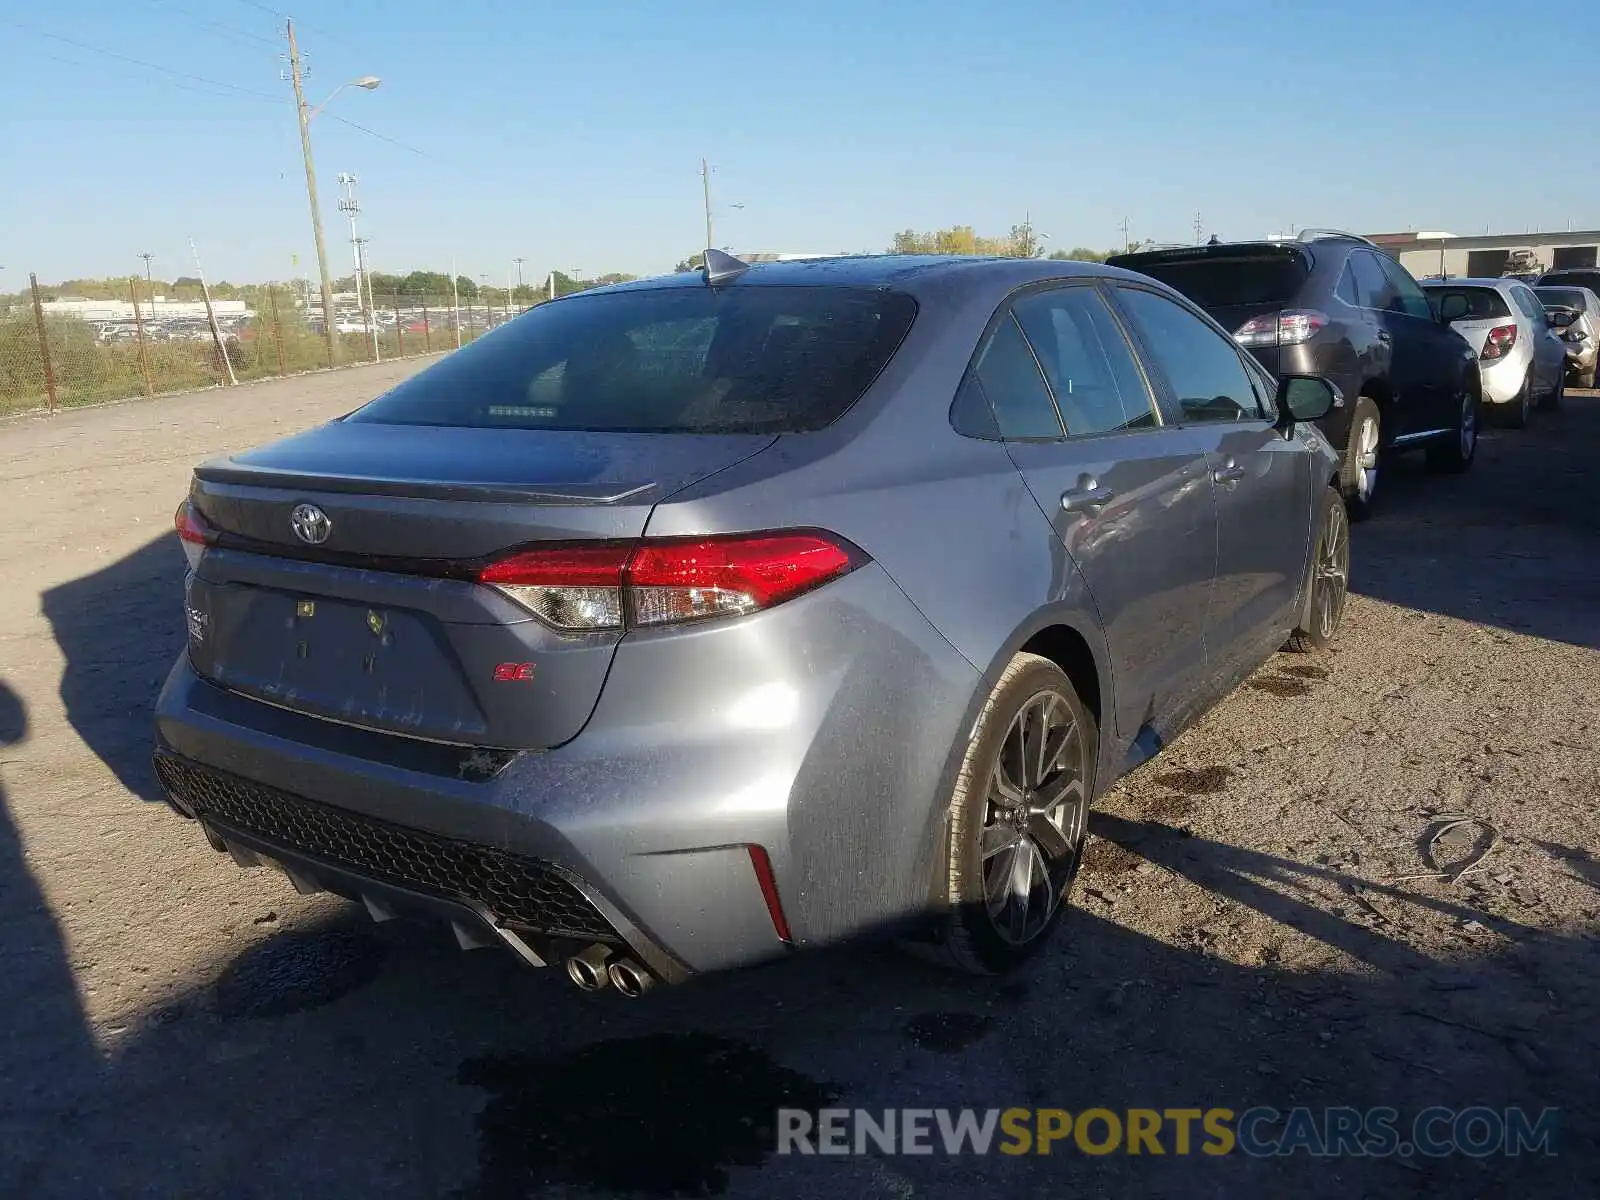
pixel 228 31
pixel 139 62
pixel 382 137
pixel 272 12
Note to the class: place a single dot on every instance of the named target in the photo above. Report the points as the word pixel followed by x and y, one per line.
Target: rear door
pixel 1549 352
pixel 1128 497
pixel 1262 479
pixel 1426 356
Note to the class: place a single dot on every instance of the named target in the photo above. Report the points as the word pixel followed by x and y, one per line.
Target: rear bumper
pixel 820 731
pixel 1502 379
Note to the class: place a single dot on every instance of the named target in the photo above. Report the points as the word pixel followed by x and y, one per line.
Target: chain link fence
pixel 59 353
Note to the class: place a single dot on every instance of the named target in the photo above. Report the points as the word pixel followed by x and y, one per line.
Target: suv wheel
pixel 1455 451
pixel 1017 818
pixel 1358 477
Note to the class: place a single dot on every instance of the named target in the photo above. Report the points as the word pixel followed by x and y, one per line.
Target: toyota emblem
pixel 310 524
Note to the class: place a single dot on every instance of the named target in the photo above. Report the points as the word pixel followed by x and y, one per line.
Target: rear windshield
pixel 1567 297
pixel 1582 279
pixel 1214 282
pixel 1482 303
pixel 668 360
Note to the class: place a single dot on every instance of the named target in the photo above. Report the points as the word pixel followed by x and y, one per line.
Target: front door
pixel 1262 479
pixel 1129 498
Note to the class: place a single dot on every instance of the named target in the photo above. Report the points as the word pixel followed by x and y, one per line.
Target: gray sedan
pixel 685 623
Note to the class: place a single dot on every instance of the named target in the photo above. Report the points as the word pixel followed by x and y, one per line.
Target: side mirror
pixel 1452 307
pixel 1560 318
pixel 1307 397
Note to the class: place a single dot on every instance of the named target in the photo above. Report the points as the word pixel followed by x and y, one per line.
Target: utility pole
pixel 147 256
pixel 1199 229
pixel 349 205
pixel 705 186
pixel 1124 228
pixel 311 192
pixel 518 263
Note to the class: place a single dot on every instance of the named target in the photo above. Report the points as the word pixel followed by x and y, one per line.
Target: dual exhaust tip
pixel 597 968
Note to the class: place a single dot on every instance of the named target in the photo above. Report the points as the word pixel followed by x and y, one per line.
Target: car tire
pixel 1585 379
pixel 1329 580
pixel 1520 410
pixel 1455 452
pixel 1363 453
pixel 1007 877
pixel 1553 401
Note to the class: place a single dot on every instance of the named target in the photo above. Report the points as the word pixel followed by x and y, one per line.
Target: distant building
pixel 122 310
pixel 1492 255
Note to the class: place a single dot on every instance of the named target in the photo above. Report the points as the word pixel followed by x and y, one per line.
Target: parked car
pixel 1521 360
pixel 1581 334
pixel 1584 277
pixel 1333 304
pixel 656 654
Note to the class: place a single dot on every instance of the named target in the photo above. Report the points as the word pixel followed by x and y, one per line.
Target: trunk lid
pixel 380 625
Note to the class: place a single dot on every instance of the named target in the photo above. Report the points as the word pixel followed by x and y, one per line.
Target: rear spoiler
pixel 1222 250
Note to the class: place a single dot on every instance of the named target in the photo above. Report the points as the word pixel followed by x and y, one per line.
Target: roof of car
pixel 881 270
pixel 1471 281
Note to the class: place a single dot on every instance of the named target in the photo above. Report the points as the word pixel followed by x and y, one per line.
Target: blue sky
pixel 571 134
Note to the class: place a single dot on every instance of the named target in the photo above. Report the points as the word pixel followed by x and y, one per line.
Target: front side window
pixel 1087 361
pixel 1373 286
pixel 748 359
pixel 1202 367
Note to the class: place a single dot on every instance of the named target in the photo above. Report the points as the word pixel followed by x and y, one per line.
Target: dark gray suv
pixel 1335 305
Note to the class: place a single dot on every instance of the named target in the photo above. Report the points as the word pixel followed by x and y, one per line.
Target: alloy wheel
pixel 1034 818
pixel 1367 458
pixel 1469 424
pixel 1333 571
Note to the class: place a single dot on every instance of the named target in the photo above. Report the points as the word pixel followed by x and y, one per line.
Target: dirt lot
pixel 1254 927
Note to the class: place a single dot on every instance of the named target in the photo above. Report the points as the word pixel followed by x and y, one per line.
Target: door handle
pixel 1088 497
pixel 1228 475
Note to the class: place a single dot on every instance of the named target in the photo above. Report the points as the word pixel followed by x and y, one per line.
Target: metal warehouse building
pixel 1493 255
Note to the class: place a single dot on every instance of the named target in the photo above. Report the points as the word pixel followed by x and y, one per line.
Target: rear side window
pixel 1087 361
pixel 1372 285
pixel 1346 290
pixel 1482 304
pixel 1010 380
pixel 1529 303
pixel 745 359
pixel 1214 281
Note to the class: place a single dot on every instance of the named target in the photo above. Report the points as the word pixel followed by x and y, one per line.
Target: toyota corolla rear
pixel 437 659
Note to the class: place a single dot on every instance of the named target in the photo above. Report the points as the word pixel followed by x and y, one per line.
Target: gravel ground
pixel 1256 925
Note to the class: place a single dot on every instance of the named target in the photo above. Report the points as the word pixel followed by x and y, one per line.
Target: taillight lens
pixel 665 582
pixel 193 532
pixel 1499 342
pixel 1287 328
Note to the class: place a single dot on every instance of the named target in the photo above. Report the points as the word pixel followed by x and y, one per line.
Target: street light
pixel 304 112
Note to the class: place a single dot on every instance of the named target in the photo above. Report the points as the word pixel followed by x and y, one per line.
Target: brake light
pixel 1287 328
pixel 588 588
pixel 768 882
pixel 1499 342
pixel 193 532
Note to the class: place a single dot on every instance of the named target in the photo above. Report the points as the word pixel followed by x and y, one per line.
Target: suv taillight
pixel 1287 328
pixel 193 532
pixel 667 581
pixel 1499 342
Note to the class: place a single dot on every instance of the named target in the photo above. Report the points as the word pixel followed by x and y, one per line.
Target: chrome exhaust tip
pixel 588 969
pixel 629 978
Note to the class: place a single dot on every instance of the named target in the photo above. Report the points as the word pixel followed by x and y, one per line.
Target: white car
pixel 1521 359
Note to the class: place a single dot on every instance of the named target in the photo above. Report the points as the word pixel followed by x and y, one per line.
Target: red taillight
pixel 599 587
pixel 193 532
pixel 769 890
pixel 1287 328
pixel 1499 342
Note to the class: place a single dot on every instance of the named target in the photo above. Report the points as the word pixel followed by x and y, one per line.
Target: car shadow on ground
pixel 120 630
pixel 330 1056
pixel 1438 543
